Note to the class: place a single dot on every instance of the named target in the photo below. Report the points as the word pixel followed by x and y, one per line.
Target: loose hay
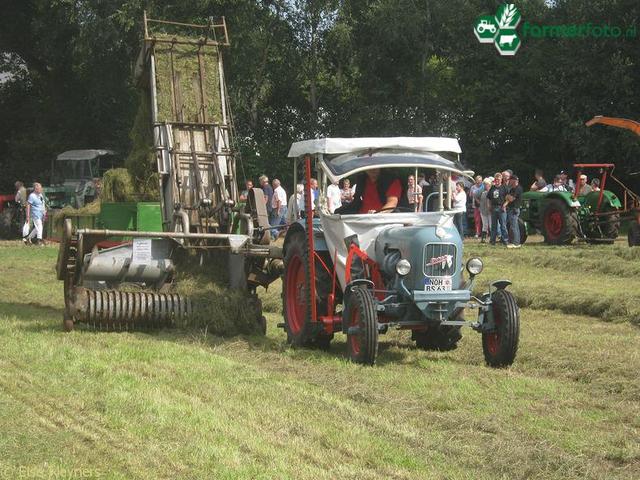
pixel 218 309
pixel 88 210
pixel 118 186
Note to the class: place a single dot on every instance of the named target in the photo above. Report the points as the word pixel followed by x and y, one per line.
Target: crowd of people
pixel 495 200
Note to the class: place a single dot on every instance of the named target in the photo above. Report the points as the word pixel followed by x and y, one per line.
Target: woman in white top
pixel 460 205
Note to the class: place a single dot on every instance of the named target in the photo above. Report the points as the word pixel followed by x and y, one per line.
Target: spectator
pixel 595 185
pixel 460 206
pixel 278 207
pixel 506 175
pixel 485 208
pixel 314 191
pixel 539 182
pixel 244 194
pixel 268 193
pixel 334 197
pixel 513 202
pixel 36 210
pixel 346 196
pixel 567 182
pixel 556 186
pixel 21 193
pixel 475 191
pixel 414 194
pixel 295 206
pixel 497 196
pixel 584 187
pixel 422 181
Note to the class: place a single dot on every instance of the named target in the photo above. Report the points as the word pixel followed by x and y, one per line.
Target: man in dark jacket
pixel 497 196
pixel 513 201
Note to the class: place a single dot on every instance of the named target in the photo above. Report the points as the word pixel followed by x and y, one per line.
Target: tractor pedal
pixel 282 325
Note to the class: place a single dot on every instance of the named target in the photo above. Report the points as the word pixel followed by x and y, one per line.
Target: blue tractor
pixel 364 272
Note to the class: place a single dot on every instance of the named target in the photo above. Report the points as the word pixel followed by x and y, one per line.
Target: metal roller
pixel 116 310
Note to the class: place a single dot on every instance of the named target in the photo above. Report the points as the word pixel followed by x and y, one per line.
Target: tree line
pixel 304 68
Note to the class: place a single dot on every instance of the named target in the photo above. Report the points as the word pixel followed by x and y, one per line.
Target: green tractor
pixel 563 216
pixel 595 217
pixel 76 177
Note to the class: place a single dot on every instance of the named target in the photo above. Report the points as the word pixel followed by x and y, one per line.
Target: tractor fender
pixel 608 198
pixel 319 243
pixel 566 197
pixel 493 286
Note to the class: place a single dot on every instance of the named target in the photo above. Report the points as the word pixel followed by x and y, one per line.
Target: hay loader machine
pixel 183 80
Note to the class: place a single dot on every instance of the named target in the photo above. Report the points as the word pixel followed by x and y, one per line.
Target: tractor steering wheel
pixel 395 209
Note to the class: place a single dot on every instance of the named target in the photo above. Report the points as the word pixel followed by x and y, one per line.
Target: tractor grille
pixel 440 259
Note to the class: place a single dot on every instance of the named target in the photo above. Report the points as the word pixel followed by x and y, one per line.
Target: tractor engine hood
pixel 374 231
pixel 434 252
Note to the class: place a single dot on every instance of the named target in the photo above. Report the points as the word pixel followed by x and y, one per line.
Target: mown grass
pixel 599 281
pixel 183 404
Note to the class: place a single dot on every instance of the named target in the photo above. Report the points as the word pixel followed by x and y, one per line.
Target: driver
pixel 374 193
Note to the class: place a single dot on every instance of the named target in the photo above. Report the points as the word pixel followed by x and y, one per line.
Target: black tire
pixel 523 232
pixel 360 312
pixel 559 223
pixel 295 295
pixel 6 224
pixel 611 227
pixel 501 344
pixel 442 338
pixel 634 234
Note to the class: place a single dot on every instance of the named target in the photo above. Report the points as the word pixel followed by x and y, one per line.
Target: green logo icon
pixel 500 29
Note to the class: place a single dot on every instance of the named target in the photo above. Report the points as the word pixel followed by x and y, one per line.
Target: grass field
pixel 182 404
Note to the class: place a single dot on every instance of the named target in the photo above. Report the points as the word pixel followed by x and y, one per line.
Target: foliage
pixel 302 69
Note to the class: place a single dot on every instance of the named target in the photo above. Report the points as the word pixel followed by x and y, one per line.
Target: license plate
pixel 444 284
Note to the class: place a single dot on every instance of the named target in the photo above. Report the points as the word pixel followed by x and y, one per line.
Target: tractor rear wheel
pixel 362 322
pixel 559 223
pixel 6 221
pixel 634 234
pixel 296 300
pixel 501 343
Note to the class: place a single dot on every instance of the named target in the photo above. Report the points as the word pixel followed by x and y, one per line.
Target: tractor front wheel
pixel 559 223
pixel 500 344
pixel 362 321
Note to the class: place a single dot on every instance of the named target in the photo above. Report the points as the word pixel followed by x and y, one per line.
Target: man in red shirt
pixel 379 194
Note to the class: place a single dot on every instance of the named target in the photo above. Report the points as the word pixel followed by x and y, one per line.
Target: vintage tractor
pixel 74 177
pixel 563 216
pixel 595 216
pixel 183 81
pixel 364 273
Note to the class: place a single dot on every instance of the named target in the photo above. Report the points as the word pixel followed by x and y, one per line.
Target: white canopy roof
pixel 348 145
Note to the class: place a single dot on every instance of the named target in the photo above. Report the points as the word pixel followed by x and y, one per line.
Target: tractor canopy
pixel 342 157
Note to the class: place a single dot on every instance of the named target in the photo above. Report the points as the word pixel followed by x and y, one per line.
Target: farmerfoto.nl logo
pixel 501 30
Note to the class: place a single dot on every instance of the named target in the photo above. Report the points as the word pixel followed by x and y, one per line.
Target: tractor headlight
pixel 474 266
pixel 403 267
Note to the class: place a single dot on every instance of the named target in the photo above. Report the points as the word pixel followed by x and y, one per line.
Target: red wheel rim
pixel 354 340
pixel 553 223
pixel 493 338
pixel 296 295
